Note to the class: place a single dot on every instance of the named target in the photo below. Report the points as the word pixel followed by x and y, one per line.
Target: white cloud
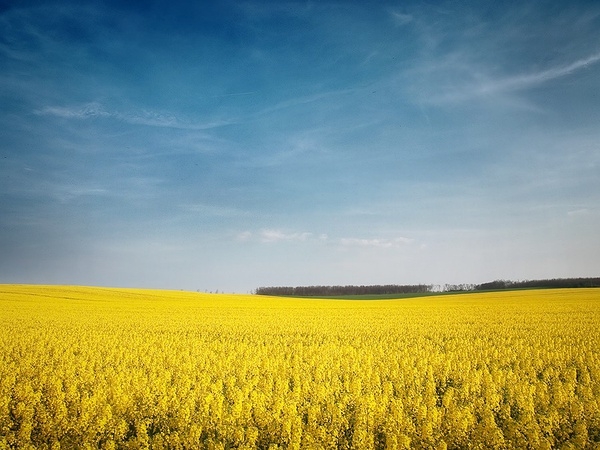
pixel 375 243
pixel 276 235
pixel 401 19
pixel 69 192
pixel 524 81
pixel 89 110
pixel 483 85
pixel 279 236
pixel 306 99
pixel 212 210
pixel 135 117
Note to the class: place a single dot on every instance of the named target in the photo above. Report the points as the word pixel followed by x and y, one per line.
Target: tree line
pixel 387 289
pixel 331 291
pixel 548 283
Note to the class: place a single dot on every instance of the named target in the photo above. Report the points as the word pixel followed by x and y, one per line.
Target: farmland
pixel 123 368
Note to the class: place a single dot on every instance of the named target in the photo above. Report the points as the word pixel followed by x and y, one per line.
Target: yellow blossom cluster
pixel 135 369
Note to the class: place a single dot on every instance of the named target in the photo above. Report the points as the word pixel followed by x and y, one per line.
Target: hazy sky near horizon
pixel 235 144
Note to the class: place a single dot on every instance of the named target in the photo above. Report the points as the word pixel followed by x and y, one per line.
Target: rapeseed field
pixel 135 369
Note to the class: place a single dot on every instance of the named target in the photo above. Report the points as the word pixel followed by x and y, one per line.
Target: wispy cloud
pixel 273 235
pixel 278 236
pixel 532 79
pixel 295 148
pixel 234 94
pixel 89 110
pixel 212 210
pixel 136 117
pixel 375 243
pixel 306 99
pixel 69 193
pixel 484 85
pixel 131 190
pixel 401 19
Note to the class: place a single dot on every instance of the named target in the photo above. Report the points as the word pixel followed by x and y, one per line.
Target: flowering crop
pixel 122 368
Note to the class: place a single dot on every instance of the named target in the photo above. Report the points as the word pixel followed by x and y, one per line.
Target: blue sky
pixel 230 145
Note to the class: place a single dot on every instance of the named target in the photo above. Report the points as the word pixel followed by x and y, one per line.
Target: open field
pixel 375 296
pixel 385 296
pixel 115 368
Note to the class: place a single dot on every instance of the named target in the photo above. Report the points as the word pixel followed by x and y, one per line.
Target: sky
pixel 229 145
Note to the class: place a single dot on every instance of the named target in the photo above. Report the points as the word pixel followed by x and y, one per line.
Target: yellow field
pixel 114 368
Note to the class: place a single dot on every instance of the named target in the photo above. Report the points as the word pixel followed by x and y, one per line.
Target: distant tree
pixel 492 285
pixel 330 291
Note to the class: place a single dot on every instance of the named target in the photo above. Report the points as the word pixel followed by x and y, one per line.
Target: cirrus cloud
pixel 145 117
